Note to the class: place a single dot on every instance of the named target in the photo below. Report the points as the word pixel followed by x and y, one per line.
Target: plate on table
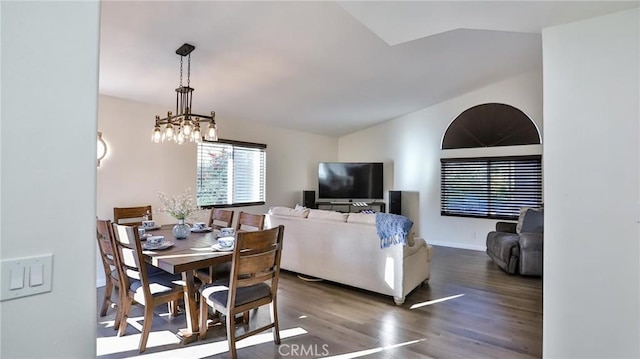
pixel 201 230
pixel 157 226
pixel 161 246
pixel 216 247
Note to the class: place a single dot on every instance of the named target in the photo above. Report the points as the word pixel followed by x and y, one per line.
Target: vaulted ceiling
pixel 329 68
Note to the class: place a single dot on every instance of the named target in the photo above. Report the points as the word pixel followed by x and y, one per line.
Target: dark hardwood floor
pixel 469 309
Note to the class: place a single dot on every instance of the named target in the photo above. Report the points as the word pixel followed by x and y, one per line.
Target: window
pixel 490 125
pixel 495 187
pixel 490 187
pixel 230 173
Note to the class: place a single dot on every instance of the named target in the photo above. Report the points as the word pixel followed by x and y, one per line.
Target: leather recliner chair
pixel 517 247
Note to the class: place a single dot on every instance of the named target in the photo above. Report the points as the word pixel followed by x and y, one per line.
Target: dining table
pixel 184 257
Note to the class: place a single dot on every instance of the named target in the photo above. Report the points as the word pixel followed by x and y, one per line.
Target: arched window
pixel 489 125
pixel 490 187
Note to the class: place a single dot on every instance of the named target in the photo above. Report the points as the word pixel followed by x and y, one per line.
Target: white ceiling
pixel 323 67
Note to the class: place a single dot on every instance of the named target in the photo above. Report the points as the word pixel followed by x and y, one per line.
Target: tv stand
pixel 351 207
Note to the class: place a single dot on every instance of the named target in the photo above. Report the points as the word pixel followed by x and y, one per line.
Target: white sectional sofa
pixel 345 248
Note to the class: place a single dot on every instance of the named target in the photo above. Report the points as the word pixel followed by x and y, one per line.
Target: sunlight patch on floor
pixel 116 344
pixel 374 350
pixel 418 305
pixel 108 323
pixel 195 350
pixel 268 337
pixel 136 322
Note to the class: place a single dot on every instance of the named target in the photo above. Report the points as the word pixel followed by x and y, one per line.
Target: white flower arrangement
pixel 181 206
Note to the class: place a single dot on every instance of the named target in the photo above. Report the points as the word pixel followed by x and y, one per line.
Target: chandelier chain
pixel 180 71
pixel 189 71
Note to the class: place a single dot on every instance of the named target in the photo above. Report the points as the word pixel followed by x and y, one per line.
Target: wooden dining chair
pixel 150 291
pixel 105 239
pixel 132 216
pixel 246 222
pixel 255 271
pixel 250 222
pixel 220 218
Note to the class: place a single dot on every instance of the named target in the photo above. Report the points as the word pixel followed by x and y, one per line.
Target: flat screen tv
pixel 350 180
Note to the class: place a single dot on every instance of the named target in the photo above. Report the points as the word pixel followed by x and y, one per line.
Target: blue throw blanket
pixel 392 229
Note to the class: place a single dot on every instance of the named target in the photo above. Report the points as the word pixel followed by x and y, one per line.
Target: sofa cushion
pixel 530 220
pixel 286 211
pixel 363 218
pixel 327 215
pixel 503 248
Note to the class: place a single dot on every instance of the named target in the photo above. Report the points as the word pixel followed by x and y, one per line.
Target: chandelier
pixel 185 126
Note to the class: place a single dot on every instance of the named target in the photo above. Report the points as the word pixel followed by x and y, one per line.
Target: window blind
pixel 490 187
pixel 230 173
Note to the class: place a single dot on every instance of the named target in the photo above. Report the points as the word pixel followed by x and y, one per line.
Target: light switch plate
pixel 42 266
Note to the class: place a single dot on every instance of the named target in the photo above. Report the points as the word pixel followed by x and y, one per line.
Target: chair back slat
pixel 250 222
pixel 105 235
pixel 220 218
pixel 255 245
pixel 131 215
pixel 256 257
pixel 256 263
pixel 129 258
pixel 255 279
pixel 129 255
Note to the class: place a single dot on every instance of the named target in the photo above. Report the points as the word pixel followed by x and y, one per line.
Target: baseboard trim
pixel 458 245
pixel 308 278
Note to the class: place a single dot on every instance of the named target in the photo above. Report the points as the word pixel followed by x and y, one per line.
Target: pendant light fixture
pixel 183 126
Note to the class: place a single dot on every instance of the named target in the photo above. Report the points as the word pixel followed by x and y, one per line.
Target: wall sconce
pixel 102 148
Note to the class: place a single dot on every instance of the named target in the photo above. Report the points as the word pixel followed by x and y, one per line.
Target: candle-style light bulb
pixel 157 134
pixel 187 127
pixel 197 135
pixel 212 133
pixel 168 132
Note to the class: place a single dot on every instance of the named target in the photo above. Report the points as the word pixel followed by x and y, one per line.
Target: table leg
pixel 190 334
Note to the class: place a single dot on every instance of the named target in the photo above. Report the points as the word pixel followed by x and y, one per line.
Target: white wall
pixel 410 146
pixel 592 269
pixel 135 169
pixel 47 162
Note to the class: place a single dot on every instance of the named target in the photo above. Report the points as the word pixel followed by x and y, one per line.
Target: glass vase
pixel 181 230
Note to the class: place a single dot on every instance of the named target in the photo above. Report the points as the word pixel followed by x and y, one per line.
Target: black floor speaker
pixel 395 202
pixel 309 199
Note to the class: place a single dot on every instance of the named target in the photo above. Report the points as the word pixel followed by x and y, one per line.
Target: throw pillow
pixel 327 215
pixel 530 220
pixel 286 211
pixel 363 218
